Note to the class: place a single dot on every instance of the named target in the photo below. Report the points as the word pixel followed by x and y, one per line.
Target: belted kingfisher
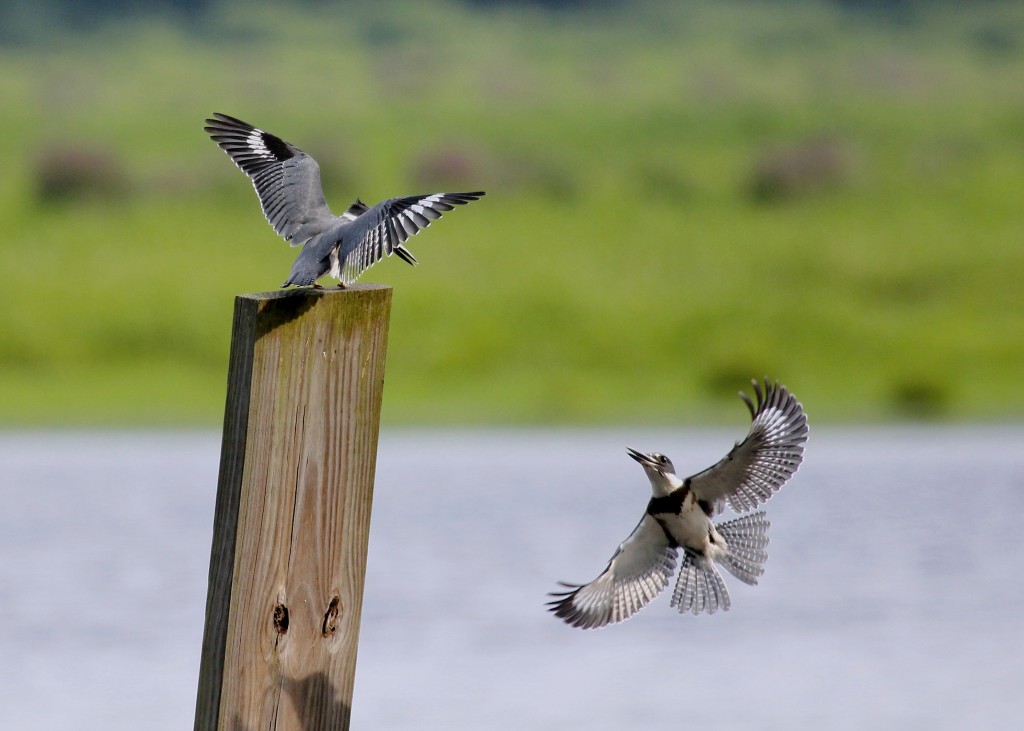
pixel 287 181
pixel 679 516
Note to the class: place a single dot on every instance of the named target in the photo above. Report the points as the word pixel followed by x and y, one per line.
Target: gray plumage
pixel 287 181
pixel 678 518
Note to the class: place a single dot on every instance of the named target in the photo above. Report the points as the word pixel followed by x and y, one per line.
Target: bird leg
pixel 341 285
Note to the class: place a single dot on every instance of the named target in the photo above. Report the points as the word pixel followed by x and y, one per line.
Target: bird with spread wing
pixel 679 517
pixel 287 181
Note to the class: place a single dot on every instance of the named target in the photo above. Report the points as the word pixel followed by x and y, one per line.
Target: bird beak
pixel 640 457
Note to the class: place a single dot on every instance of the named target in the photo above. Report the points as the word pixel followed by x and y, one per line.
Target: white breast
pixel 690 526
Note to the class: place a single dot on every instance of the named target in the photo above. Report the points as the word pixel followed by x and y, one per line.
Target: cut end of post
pixel 309 292
pixel 282 306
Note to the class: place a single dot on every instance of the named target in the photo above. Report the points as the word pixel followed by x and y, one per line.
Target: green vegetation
pixel 680 198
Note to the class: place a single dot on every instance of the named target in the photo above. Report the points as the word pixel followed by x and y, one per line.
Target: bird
pixel 287 181
pixel 679 516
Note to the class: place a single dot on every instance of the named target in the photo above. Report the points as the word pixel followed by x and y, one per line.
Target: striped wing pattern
pixel 640 569
pixel 389 224
pixel 762 463
pixel 286 179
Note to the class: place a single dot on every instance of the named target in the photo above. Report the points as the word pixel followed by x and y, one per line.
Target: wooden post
pixel 293 509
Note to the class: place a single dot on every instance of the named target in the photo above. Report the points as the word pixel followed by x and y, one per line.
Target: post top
pixel 310 292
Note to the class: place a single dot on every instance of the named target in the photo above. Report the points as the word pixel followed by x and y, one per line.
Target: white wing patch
pixel 255 143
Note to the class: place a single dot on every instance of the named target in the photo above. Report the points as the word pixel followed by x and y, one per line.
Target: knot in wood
pixel 330 619
pixel 281 619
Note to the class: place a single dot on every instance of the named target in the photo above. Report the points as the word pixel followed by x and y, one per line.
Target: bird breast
pixel 689 527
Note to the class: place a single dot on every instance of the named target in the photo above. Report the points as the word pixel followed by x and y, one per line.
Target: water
pixel 892 597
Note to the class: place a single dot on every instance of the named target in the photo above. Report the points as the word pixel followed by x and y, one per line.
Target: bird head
pixel 659 469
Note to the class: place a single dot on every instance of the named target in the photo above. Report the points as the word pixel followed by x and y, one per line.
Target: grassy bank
pixel 678 200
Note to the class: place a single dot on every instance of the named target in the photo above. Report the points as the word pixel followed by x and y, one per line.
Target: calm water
pixel 893 597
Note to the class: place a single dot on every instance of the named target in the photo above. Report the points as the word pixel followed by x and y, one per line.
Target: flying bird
pixel 287 181
pixel 679 516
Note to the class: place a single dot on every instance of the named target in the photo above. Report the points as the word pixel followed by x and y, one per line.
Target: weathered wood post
pixel 292 518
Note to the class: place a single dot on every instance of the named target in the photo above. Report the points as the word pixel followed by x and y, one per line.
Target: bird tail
pixel 700 587
pixel 746 538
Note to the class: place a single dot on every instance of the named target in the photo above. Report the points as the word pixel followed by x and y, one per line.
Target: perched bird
pixel 679 515
pixel 287 181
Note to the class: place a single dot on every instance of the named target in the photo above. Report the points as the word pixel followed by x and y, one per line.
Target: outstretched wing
pixel 760 464
pixel 286 179
pixel 639 570
pixel 383 229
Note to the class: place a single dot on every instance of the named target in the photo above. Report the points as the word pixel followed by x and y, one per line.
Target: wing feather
pixel 286 179
pixel 383 229
pixel 641 568
pixel 766 458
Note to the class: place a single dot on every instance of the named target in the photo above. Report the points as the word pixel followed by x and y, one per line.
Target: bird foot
pixel 316 286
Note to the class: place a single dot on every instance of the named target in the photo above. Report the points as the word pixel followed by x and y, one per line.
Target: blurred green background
pixel 681 196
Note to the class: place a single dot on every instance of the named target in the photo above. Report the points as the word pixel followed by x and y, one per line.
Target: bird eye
pixel 662 458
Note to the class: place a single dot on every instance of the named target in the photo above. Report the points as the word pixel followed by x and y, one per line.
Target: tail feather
pixel 700 587
pixel 747 538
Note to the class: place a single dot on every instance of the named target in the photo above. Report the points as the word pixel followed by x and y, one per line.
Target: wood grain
pixel 306 375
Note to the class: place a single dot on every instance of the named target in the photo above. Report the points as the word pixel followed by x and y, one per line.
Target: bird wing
pixel 760 464
pixel 639 570
pixel 383 229
pixel 286 179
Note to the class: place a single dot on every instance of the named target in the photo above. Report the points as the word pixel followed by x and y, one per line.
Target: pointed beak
pixel 640 457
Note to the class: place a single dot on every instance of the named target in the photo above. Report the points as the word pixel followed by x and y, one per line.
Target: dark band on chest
pixel 671 504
